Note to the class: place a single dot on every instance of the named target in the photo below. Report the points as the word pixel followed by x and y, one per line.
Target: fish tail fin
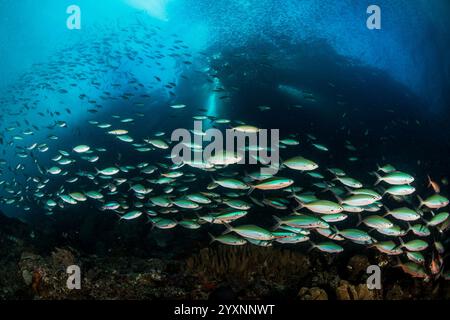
pixel 335 230
pixel 257 202
pixel 293 194
pixel 251 189
pixel 339 199
pixel 312 246
pixel 409 226
pixel 421 202
pixel 300 203
pixel 379 178
pixel 213 239
pixel 149 220
pixel 388 211
pixel 359 219
pixel 427 223
pixel 328 188
pixel 278 224
pixel 402 243
pixel 281 164
pixel 348 189
pixel 229 228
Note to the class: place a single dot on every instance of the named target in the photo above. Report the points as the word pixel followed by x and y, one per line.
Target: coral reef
pixel 312 294
pixel 259 271
pixel 102 278
pixel 347 291
pixel 243 264
pixel 217 273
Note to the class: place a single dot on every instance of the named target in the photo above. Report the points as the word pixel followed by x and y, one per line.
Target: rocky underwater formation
pixel 216 272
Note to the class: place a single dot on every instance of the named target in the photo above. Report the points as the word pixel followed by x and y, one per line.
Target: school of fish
pixel 382 212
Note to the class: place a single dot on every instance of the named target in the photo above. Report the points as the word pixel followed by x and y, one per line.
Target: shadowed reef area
pixel 31 269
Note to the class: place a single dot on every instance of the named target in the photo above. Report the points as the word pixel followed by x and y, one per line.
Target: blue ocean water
pixel 411 45
pixel 311 69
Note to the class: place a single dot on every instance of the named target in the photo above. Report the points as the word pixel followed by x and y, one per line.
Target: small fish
pixel 414 245
pixel 416 257
pixel 395 178
pixel 108 171
pixel 400 190
pixel 232 184
pixel 355 235
pixel 300 164
pixel 246 129
pixel 419 230
pixel 78 196
pixel 349 182
pixel 54 170
pixel 301 221
pixel 81 149
pixel 377 222
pixel 273 183
pixel 178 106
pixel 320 147
pixel 321 206
pixel 386 168
pixel 94 195
pixel 403 214
pixel 434 185
pixel 359 200
pixel 250 232
pixel 413 269
pixel 131 215
pixel 328 247
pixel 118 132
pixel 438 219
pixel 228 239
pixel 435 201
pixel 388 247
pixel 157 143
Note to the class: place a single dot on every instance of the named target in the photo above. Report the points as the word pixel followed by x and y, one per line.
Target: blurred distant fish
pixel 433 185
